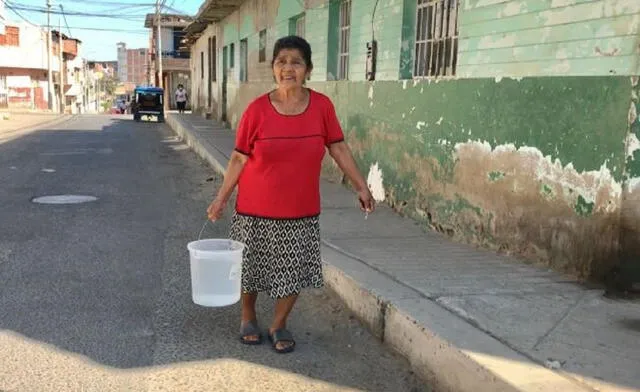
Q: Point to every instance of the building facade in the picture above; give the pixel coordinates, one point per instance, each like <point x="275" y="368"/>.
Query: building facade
<point x="508" y="124"/>
<point x="121" y="48"/>
<point x="24" y="69"/>
<point x="137" y="66"/>
<point x="175" y="54"/>
<point x="133" y="64"/>
<point x="107" y="68"/>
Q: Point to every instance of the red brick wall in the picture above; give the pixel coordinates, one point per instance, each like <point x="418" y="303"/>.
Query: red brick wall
<point x="11" y="37"/>
<point x="70" y="47"/>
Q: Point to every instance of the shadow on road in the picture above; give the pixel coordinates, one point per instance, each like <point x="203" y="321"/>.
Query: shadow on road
<point x="99" y="293"/>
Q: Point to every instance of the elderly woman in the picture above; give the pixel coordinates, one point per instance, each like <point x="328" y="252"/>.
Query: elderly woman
<point x="280" y="144"/>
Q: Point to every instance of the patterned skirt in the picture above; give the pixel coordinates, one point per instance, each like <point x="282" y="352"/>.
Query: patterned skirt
<point x="281" y="257"/>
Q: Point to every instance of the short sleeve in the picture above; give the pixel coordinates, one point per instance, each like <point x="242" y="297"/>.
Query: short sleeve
<point x="246" y="132"/>
<point x="333" y="130"/>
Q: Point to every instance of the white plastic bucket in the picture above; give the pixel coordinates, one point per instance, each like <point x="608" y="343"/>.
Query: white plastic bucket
<point x="216" y="269"/>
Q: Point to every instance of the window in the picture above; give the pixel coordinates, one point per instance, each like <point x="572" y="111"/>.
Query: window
<point x="244" y="53"/>
<point x="436" y="51"/>
<point x="262" y="46"/>
<point x="232" y="55"/>
<point x="344" y="27"/>
<point x="300" y="26"/>
<point x="11" y="36"/>
<point x="202" y="65"/>
<point x="296" y="25"/>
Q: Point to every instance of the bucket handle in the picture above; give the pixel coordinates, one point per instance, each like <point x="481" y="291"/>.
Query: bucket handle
<point x="202" y="230"/>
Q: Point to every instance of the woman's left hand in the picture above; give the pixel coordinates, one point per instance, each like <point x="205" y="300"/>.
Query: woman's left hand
<point x="367" y="203"/>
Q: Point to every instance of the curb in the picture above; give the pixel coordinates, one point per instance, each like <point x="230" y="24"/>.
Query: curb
<point x="442" y="348"/>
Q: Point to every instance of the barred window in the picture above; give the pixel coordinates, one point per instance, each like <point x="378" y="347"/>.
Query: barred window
<point x="436" y="51"/>
<point x="345" y="28"/>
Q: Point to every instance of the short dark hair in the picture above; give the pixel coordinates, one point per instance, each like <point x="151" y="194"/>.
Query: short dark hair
<point x="293" y="42"/>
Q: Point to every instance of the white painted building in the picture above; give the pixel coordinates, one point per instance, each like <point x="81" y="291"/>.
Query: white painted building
<point x="24" y="70"/>
<point x="23" y="67"/>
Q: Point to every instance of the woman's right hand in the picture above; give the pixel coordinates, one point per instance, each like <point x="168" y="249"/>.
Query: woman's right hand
<point x="214" y="212"/>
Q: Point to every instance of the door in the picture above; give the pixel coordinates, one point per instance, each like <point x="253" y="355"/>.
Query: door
<point x="225" y="68"/>
<point x="209" y="79"/>
<point x="4" y="92"/>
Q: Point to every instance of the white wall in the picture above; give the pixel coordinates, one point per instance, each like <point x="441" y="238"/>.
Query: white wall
<point x="167" y="38"/>
<point x="32" y="52"/>
<point x="199" y="87"/>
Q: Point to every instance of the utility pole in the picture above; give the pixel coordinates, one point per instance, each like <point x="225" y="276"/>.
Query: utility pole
<point x="62" y="72"/>
<point x="159" y="48"/>
<point x="49" y="49"/>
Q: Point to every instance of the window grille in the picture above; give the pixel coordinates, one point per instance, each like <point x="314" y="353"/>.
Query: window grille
<point x="436" y="51"/>
<point x="345" y="27"/>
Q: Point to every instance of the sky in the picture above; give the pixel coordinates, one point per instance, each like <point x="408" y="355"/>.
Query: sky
<point x="119" y="21"/>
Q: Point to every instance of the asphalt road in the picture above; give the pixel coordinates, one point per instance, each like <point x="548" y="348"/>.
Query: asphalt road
<point x="96" y="296"/>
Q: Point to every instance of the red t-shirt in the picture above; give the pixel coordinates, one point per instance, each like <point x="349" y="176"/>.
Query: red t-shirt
<point x="281" y="179"/>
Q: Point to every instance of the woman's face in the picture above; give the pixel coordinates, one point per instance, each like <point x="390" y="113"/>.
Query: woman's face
<point x="290" y="69"/>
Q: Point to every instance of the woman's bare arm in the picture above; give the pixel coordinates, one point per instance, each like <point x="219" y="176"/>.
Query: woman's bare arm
<point x="341" y="153"/>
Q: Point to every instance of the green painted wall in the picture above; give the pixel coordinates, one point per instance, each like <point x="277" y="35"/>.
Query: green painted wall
<point x="387" y="24"/>
<point x="498" y="163"/>
<point x="542" y="167"/>
<point x="317" y="32"/>
<point x="549" y="37"/>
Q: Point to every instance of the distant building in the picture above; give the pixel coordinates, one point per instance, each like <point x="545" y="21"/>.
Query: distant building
<point x="137" y="60"/>
<point x="175" y="55"/>
<point x="24" y="70"/>
<point x="132" y="64"/>
<point x="107" y="68"/>
<point x="122" y="61"/>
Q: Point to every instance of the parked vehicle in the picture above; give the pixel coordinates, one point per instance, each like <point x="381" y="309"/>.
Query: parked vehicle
<point x="148" y="101"/>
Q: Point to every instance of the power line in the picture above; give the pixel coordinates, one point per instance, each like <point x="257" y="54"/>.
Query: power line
<point x="76" y="13"/>
<point x="20" y="15"/>
<point x="132" y="31"/>
<point x="119" y="3"/>
<point x="65" y="20"/>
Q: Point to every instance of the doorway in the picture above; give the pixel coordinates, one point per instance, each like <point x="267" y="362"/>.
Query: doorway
<point x="225" y="68"/>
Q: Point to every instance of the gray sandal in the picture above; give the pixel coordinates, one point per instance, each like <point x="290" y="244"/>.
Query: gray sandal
<point x="250" y="328"/>
<point x="282" y="335"/>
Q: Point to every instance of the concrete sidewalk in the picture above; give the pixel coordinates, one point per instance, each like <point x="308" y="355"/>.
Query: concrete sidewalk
<point x="467" y="319"/>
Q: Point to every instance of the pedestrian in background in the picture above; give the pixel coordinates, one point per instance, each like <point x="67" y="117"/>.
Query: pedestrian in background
<point x="281" y="140"/>
<point x="181" y="98"/>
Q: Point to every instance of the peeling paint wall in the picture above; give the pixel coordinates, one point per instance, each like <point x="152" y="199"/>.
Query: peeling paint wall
<point x="513" y="157"/>
<point x="497" y="163"/>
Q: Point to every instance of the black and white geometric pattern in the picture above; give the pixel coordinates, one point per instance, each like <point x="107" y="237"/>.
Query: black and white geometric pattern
<point x="281" y="257"/>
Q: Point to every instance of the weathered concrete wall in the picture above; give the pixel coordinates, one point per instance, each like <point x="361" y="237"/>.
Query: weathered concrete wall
<point x="542" y="167"/>
<point x="503" y="167"/>
<point x="199" y="80"/>
<point x="629" y="271"/>
<point x="499" y="163"/>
